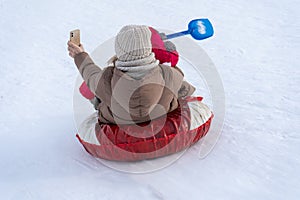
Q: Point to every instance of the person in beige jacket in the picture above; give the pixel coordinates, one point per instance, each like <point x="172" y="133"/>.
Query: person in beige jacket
<point x="136" y="88"/>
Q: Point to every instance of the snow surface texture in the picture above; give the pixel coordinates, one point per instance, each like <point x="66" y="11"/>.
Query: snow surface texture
<point x="255" y="49"/>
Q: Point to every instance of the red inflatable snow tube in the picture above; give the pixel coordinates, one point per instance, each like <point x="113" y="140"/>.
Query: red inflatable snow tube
<point x="160" y="137"/>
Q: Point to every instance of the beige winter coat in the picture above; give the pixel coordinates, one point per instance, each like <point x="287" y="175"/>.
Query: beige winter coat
<point x="125" y="100"/>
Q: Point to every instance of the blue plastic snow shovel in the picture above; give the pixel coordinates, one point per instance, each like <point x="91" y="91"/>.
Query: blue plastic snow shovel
<point x="199" y="29"/>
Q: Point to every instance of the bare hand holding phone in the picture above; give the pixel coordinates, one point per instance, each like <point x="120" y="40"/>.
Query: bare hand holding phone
<point x="74" y="46"/>
<point x="74" y="49"/>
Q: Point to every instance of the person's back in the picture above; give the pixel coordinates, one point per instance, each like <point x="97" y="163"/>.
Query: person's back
<point x="136" y="88"/>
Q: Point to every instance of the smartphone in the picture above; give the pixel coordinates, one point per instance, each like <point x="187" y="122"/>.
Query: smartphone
<point x="75" y="36"/>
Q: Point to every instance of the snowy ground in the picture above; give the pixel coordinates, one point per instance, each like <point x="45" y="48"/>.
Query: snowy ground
<point x="255" y="49"/>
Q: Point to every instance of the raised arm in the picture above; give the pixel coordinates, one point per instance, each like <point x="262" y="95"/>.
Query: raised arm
<point x="89" y="71"/>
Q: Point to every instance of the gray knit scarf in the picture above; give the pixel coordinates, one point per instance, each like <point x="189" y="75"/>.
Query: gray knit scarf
<point x="137" y="68"/>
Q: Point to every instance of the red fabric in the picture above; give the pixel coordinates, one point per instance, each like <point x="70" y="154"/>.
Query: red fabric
<point x="156" y="41"/>
<point x="175" y="136"/>
<point x="159" y="49"/>
<point x="174" y="57"/>
<point x="193" y="98"/>
<point x="85" y="91"/>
